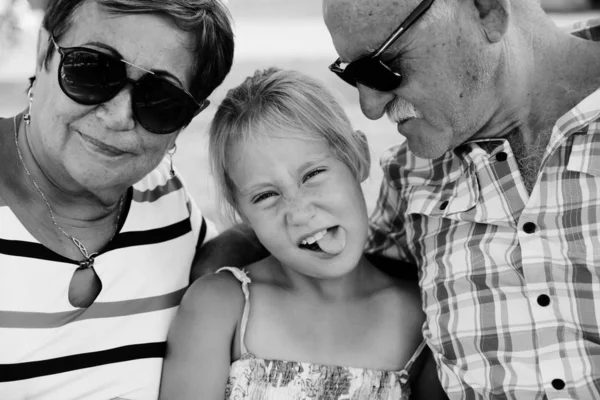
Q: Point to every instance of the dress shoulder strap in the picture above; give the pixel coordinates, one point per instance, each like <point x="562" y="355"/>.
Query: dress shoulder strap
<point x="415" y="355"/>
<point x="242" y="276"/>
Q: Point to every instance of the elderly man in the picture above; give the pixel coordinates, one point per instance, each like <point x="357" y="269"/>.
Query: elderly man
<point x="495" y="195"/>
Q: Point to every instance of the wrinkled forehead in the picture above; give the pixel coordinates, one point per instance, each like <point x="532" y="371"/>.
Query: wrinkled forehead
<point x="359" y="26"/>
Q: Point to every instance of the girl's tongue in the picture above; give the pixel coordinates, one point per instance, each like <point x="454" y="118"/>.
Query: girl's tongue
<point x="334" y="241"/>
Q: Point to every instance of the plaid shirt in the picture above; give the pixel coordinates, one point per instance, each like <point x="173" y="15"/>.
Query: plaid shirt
<point x="510" y="281"/>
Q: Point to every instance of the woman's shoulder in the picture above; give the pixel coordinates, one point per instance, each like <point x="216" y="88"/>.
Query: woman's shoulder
<point x="7" y="152"/>
<point x="160" y="178"/>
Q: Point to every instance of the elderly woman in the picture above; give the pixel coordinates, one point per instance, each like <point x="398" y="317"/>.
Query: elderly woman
<point x="97" y="232"/>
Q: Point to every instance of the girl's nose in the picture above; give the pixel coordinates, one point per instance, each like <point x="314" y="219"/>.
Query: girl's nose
<point x="300" y="213"/>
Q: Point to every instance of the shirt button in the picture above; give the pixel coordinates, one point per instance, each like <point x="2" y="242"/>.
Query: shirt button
<point x="558" y="384"/>
<point x="529" y="227"/>
<point x="444" y="205"/>
<point x="543" y="300"/>
<point x="501" y="156"/>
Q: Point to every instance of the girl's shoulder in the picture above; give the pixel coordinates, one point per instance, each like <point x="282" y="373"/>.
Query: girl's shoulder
<point x="266" y="273"/>
<point x="219" y="285"/>
<point x="219" y="292"/>
<point x="402" y="298"/>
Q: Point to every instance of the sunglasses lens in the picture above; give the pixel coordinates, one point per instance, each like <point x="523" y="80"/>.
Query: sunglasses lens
<point x="372" y="73"/>
<point x="376" y="75"/>
<point x="342" y="73"/>
<point x="90" y="77"/>
<point x="161" y="107"/>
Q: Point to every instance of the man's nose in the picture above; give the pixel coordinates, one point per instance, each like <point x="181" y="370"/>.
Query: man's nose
<point x="373" y="102"/>
<point x="117" y="113"/>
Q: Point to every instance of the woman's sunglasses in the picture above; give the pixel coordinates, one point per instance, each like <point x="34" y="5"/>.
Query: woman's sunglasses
<point x="91" y="77"/>
<point x="369" y="70"/>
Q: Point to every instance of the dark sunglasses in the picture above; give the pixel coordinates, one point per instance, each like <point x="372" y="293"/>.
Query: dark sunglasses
<point x="369" y="70"/>
<point x="91" y="77"/>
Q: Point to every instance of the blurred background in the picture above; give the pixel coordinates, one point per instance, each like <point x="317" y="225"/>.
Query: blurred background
<point x="283" y="33"/>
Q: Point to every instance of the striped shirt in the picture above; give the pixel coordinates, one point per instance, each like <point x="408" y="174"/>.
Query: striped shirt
<point x="52" y="350"/>
<point x="510" y="281"/>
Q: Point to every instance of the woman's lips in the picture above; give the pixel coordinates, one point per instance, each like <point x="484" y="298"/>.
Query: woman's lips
<point x="102" y="147"/>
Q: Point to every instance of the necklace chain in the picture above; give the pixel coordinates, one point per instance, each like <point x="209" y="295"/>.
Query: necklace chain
<point x="89" y="258"/>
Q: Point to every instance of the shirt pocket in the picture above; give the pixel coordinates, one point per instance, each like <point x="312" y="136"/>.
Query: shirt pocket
<point x="585" y="154"/>
<point x="451" y="199"/>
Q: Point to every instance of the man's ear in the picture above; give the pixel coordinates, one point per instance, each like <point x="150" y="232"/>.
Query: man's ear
<point x="493" y="17"/>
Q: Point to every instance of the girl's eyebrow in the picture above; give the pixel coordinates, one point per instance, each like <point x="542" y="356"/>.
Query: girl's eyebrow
<point x="253" y="188"/>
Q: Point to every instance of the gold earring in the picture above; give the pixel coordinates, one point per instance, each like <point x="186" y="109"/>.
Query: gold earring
<point x="171" y="153"/>
<point x="27" y="115"/>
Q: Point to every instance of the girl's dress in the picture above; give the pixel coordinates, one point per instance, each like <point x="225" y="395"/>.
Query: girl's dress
<point x="258" y="379"/>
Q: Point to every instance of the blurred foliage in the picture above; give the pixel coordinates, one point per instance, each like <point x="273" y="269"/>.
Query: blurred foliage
<point x="570" y="5"/>
<point x="9" y="25"/>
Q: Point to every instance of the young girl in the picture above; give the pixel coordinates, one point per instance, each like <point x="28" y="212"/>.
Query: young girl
<point x="315" y="320"/>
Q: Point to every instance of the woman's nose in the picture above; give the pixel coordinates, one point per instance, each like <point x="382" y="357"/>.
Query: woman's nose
<point x="117" y="113"/>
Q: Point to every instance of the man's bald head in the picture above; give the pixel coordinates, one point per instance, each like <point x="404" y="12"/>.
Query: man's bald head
<point x="458" y="62"/>
<point x="356" y="19"/>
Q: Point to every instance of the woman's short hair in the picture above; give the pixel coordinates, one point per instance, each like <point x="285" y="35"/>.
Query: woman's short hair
<point x="273" y="101"/>
<point x="208" y="21"/>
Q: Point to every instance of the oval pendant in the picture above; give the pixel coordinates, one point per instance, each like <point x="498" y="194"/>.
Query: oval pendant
<point x="85" y="287"/>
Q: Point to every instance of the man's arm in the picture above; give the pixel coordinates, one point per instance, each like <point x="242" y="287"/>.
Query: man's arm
<point x="425" y="383"/>
<point x="386" y="246"/>
<point x="236" y="247"/>
<point x="397" y="268"/>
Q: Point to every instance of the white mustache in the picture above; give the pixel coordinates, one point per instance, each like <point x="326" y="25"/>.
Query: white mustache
<point x="400" y="110"/>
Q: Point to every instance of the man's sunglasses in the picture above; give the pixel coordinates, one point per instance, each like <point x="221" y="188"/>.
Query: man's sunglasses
<point x="91" y="77"/>
<point x="369" y="70"/>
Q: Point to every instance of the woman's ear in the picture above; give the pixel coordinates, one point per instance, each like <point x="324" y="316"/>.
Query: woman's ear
<point x="43" y="49"/>
<point x="365" y="161"/>
<point x="203" y="106"/>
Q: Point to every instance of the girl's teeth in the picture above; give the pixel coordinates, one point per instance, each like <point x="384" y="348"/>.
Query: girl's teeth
<point x="317" y="236"/>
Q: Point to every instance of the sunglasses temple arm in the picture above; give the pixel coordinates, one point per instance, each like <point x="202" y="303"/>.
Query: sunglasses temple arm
<point x="390" y="40"/>
<point x="421" y="8"/>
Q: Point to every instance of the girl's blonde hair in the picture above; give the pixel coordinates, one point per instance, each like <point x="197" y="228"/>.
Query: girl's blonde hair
<point x="272" y="101"/>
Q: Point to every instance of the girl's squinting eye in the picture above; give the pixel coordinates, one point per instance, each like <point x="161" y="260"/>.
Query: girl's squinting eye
<point x="263" y="196"/>
<point x="312" y="173"/>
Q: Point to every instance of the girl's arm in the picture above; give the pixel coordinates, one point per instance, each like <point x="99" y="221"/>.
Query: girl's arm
<point x="200" y="340"/>
<point x="426" y="385"/>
